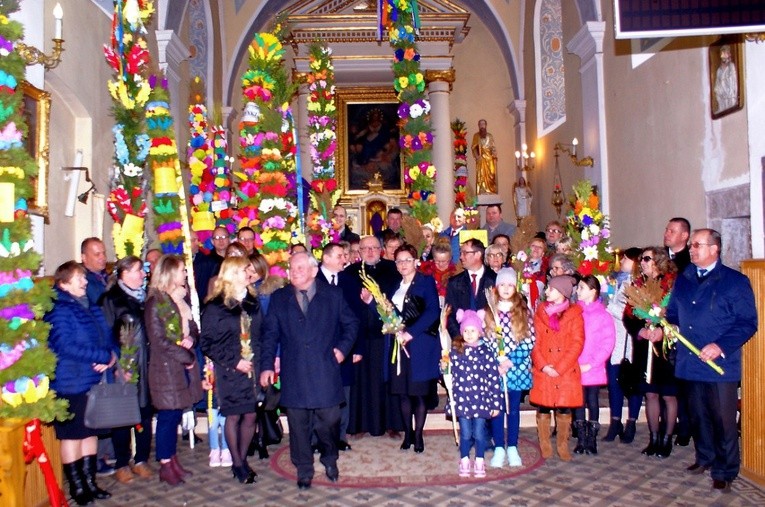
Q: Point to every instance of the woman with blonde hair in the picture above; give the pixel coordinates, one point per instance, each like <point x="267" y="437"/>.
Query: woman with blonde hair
<point x="174" y="379"/>
<point x="231" y="338"/>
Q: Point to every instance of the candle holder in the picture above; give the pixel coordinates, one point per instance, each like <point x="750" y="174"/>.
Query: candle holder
<point x="558" y="197"/>
<point x="33" y="56"/>
<point x="570" y="150"/>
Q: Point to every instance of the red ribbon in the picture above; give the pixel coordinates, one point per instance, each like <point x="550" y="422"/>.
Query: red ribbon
<point x="34" y="448"/>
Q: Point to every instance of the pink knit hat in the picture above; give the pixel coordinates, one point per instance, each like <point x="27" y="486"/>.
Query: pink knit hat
<point x="469" y="318"/>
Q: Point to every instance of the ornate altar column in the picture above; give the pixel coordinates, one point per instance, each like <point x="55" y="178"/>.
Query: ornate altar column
<point x="439" y="88"/>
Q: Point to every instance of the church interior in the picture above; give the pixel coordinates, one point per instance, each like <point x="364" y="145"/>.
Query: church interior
<point x="563" y="97"/>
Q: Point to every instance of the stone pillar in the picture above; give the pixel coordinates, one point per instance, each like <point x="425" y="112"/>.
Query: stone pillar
<point x="301" y="119"/>
<point x="518" y="109"/>
<point x="587" y="44"/>
<point x="439" y="88"/>
<point x="173" y="52"/>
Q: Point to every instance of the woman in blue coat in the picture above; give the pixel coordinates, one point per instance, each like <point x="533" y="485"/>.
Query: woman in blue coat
<point x="414" y="373"/>
<point x="84" y="350"/>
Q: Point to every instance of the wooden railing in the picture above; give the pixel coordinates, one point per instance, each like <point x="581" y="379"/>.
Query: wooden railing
<point x="753" y="383"/>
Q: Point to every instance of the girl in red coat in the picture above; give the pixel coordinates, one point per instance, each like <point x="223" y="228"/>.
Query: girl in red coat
<point x="555" y="371"/>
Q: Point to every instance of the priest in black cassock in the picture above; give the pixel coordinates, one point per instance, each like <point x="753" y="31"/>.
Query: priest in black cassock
<point x="373" y="409"/>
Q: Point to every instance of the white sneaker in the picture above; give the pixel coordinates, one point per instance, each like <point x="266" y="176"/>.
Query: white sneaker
<point x="465" y="467"/>
<point x="513" y="458"/>
<point x="225" y="458"/>
<point x="480" y="469"/>
<point x="215" y="458"/>
<point x="498" y="459"/>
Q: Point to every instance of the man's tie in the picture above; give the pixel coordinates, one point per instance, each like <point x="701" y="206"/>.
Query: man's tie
<point x="332" y="282"/>
<point x="474" y="284"/>
<point x="701" y="273"/>
<point x="304" y="301"/>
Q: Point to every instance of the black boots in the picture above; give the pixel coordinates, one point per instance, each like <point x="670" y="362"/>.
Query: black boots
<point x="77" y="487"/>
<point x="592" y="437"/>
<point x="580" y="429"/>
<point x="89" y="464"/>
<point x="664" y="448"/>
<point x="615" y="429"/>
<point x="628" y="435"/>
<point x="652" y="446"/>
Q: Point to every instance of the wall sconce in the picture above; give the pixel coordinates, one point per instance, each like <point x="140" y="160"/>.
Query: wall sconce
<point x="579" y="162"/>
<point x="74" y="180"/>
<point x="33" y="56"/>
<point x="524" y="160"/>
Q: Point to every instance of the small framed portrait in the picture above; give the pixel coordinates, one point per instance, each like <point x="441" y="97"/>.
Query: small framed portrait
<point x="36" y="112"/>
<point x="368" y="141"/>
<point x="726" y="76"/>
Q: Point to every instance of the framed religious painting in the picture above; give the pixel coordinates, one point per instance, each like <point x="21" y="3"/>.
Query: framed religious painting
<point x="36" y="112"/>
<point x="726" y="76"/>
<point x="369" y="156"/>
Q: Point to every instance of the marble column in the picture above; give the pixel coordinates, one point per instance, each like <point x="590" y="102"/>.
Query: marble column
<point x="301" y="125"/>
<point x="439" y="88"/>
<point x="173" y="52"/>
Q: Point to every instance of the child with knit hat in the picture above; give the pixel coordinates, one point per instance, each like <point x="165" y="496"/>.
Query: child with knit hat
<point x="515" y="332"/>
<point x="476" y="389"/>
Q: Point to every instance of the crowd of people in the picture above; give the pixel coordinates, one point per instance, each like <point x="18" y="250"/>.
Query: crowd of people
<point x="546" y="332"/>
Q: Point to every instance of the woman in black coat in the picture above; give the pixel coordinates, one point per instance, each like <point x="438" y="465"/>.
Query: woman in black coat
<point x="413" y="376"/>
<point x="123" y="308"/>
<point x="233" y="312"/>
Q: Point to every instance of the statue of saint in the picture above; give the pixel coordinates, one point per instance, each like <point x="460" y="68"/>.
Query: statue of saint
<point x="485" y="154"/>
<point x="522" y="198"/>
<point x="726" y="81"/>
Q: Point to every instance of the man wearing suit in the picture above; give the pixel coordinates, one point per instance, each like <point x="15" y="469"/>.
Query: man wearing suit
<point x="332" y="260"/>
<point x="467" y="289"/>
<point x="714" y="307"/>
<point x="339" y="217"/>
<point x="676" y="236"/>
<point x="395" y="221"/>
<point x="312" y="390"/>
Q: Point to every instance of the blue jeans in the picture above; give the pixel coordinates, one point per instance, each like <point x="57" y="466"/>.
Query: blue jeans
<point x="513" y="422"/>
<point x="166" y="437"/>
<point x="217" y="440"/>
<point x="616" y="396"/>
<point x="472" y="431"/>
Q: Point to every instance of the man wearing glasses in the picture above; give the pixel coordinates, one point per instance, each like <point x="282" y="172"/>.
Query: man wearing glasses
<point x="208" y="266"/>
<point x="553" y="234"/>
<point x="372" y="409"/>
<point x="467" y="290"/>
<point x="713" y="305"/>
<point x="246" y="236"/>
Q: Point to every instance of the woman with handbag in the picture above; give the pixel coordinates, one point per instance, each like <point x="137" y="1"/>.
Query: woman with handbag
<point x="231" y="338"/>
<point x="414" y="373"/>
<point x="123" y="307"/>
<point x="84" y="349"/>
<point x="622" y="381"/>
<point x="649" y="356"/>
<point x="174" y="377"/>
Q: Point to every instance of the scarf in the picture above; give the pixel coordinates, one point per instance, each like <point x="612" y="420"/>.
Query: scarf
<point x="138" y="294"/>
<point x="554" y="312"/>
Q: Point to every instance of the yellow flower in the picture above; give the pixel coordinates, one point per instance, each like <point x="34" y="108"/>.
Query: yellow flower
<point x="414" y="172"/>
<point x="403" y="82"/>
<point x="431" y="171"/>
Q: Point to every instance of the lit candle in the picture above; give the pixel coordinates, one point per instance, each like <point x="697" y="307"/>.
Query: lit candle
<point x="533" y="158"/>
<point x="518" y="159"/>
<point x="574" y="142"/>
<point x="58" y="13"/>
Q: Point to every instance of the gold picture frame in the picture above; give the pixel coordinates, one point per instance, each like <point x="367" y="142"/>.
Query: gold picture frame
<point x="36" y="112"/>
<point x="360" y="157"/>
<point x="726" y="78"/>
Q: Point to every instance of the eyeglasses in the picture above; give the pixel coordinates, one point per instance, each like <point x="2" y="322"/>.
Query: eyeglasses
<point x="646" y="258"/>
<point x="404" y="261"/>
<point x="465" y="252"/>
<point x="696" y="244"/>
<point x="551" y="231"/>
<point x="494" y="255"/>
<point x="219" y="237"/>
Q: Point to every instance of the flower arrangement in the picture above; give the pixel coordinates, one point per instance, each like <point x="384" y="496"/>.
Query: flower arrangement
<point x="244" y="339"/>
<point x="414" y="111"/>
<point x="460" y="162"/>
<point x="265" y="185"/>
<point x="26" y="362"/>
<point x="200" y="160"/>
<point x="649" y="302"/>
<point x="322" y="123"/>
<point x="163" y="161"/>
<point x="129" y="352"/>
<point x="589" y="229"/>
<point x="128" y="56"/>
<point x="393" y="323"/>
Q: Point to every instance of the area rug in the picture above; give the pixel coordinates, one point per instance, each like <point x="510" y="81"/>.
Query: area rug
<point x="377" y="462"/>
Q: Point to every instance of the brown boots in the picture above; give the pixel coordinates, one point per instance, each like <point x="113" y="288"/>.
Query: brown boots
<point x="543" y="431"/>
<point x="564" y="433"/>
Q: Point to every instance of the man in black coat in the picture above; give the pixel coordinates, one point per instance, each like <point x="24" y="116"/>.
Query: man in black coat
<point x="467" y="290"/>
<point x="676" y="236"/>
<point x="312" y="389"/>
<point x="339" y="217"/>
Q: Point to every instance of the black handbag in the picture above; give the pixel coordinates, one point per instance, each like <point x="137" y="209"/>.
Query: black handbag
<point x="628" y="377"/>
<point x="411" y="311"/>
<point x="112" y="405"/>
<point x="270" y="427"/>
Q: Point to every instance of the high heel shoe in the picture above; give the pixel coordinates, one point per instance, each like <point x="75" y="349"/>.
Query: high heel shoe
<point x="407" y="443"/>
<point x="243" y="475"/>
<point x="419" y="444"/>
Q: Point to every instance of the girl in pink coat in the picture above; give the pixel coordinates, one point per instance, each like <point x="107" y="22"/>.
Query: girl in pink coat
<point x="599" y="337"/>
